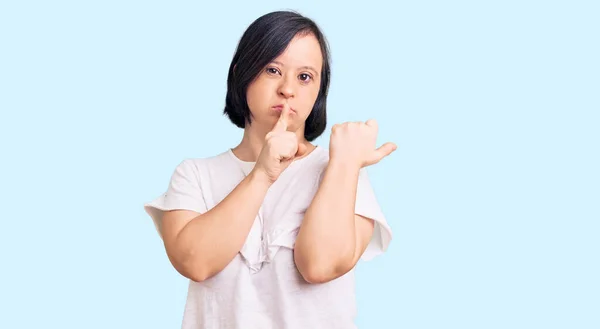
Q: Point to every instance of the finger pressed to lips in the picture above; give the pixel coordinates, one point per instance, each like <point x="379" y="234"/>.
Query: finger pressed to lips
<point x="283" y="122"/>
<point x="284" y="111"/>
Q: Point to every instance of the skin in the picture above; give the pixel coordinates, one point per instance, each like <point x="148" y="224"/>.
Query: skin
<point x="332" y="238"/>
<point x="292" y="79"/>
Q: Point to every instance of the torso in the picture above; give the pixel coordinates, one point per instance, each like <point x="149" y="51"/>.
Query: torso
<point x="261" y="287"/>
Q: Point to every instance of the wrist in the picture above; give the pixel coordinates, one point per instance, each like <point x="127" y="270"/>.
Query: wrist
<point x="259" y="178"/>
<point x="343" y="166"/>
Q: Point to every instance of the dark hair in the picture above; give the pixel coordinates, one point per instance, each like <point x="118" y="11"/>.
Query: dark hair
<point x="265" y="39"/>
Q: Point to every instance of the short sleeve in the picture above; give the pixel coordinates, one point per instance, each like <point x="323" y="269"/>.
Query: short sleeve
<point x="366" y="205"/>
<point x="183" y="193"/>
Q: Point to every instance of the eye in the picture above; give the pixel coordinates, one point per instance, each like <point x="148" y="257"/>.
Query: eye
<point x="272" y="70"/>
<point x="305" y="77"/>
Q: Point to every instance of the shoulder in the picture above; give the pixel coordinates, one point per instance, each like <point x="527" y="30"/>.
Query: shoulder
<point x="197" y="165"/>
<point x="207" y="159"/>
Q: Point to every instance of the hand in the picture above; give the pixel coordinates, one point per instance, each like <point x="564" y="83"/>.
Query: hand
<point x="281" y="147"/>
<point x="354" y="143"/>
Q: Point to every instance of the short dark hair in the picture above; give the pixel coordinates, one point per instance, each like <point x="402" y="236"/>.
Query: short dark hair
<point x="265" y="39"/>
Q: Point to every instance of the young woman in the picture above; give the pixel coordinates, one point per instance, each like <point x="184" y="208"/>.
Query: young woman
<point x="268" y="232"/>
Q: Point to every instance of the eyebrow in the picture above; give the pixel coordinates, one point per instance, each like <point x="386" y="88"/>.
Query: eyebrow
<point x="302" y="67"/>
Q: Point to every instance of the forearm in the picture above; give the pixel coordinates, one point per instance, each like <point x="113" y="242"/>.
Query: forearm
<point x="210" y="241"/>
<point x="326" y="242"/>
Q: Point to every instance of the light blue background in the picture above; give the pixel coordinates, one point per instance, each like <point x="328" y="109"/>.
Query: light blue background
<point x="493" y="193"/>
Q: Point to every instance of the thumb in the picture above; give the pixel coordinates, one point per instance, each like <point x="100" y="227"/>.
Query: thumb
<point x="383" y="151"/>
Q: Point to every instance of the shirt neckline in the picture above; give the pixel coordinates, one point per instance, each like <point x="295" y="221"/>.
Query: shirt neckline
<point x="250" y="164"/>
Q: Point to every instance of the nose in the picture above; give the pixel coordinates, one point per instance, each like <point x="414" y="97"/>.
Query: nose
<point x="286" y="88"/>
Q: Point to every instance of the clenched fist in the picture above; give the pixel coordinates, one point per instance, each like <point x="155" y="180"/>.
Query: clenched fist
<point x="354" y="143"/>
<point x="280" y="148"/>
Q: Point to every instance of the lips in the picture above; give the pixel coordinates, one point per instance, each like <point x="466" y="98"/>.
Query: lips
<point x="280" y="108"/>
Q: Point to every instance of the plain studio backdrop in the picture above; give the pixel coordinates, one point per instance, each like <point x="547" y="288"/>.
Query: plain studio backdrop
<point x="493" y="193"/>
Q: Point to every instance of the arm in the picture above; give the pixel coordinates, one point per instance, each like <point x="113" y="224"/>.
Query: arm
<point x="190" y="238"/>
<point x="201" y="245"/>
<point x="332" y="237"/>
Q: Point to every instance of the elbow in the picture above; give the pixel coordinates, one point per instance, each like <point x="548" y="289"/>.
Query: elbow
<point x="318" y="271"/>
<point x="198" y="276"/>
<point x="201" y="270"/>
<point x="193" y="269"/>
<point x="317" y="274"/>
<point x="192" y="264"/>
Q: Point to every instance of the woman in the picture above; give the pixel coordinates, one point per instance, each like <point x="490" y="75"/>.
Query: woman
<point x="268" y="232"/>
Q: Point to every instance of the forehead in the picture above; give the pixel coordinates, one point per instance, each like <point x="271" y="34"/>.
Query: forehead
<point x="303" y="50"/>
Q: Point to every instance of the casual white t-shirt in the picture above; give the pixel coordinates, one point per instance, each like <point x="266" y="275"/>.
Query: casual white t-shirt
<point x="261" y="288"/>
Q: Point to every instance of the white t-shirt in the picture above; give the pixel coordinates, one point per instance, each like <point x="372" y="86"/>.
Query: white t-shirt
<point x="261" y="288"/>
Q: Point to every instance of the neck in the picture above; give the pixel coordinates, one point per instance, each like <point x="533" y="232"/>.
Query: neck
<point x="253" y="140"/>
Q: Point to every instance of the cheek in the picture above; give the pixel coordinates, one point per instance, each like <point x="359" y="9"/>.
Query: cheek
<point x="254" y="95"/>
<point x="310" y="96"/>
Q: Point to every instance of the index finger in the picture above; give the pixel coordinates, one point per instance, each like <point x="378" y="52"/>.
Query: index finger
<point x="282" y="123"/>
